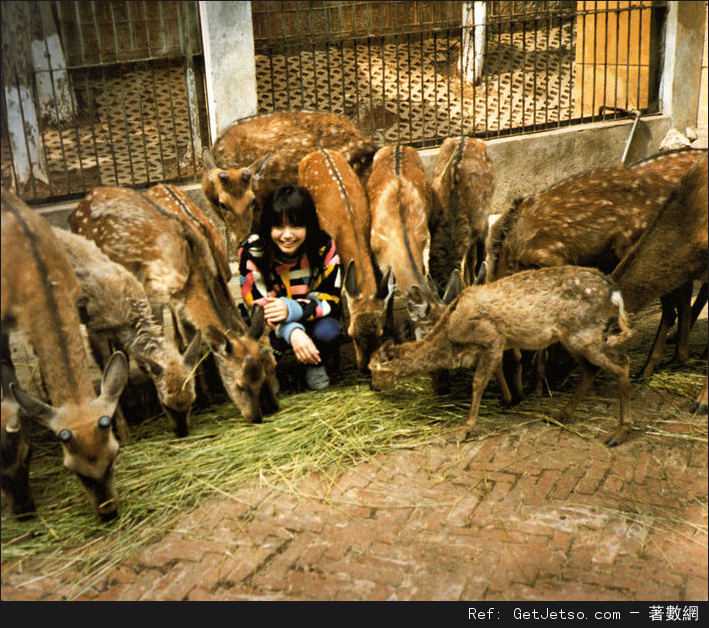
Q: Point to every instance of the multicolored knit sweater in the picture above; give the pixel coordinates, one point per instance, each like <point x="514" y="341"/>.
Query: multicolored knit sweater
<point x="308" y="293"/>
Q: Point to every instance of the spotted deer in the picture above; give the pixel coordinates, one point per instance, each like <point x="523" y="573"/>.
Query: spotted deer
<point x="671" y="254"/>
<point x="343" y="212"/>
<point x="115" y="309"/>
<point x="16" y="451"/>
<point x="217" y="275"/>
<point x="168" y="258"/>
<point x="39" y="295"/>
<point x="567" y="304"/>
<point x="591" y="219"/>
<point x="255" y="155"/>
<point x="400" y="204"/>
<point x="463" y="184"/>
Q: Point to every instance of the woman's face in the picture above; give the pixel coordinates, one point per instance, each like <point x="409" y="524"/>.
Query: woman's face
<point x="288" y="238"/>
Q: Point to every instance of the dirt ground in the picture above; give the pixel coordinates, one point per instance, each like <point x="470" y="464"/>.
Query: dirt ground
<point x="524" y="510"/>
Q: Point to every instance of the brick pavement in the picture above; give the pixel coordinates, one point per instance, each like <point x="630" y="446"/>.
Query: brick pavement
<point x="540" y="514"/>
<point x="537" y="513"/>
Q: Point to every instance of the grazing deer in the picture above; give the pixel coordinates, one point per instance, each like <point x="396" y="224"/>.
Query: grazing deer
<point x="400" y="204"/>
<point x="217" y="275"/>
<point x="16" y="452"/>
<point x="39" y="295"/>
<point x="463" y="184"/>
<point x="671" y="253"/>
<point x="274" y="143"/>
<point x="343" y="213"/>
<point x="567" y="304"/>
<point x="115" y="309"/>
<point x="169" y="259"/>
<point x="591" y="219"/>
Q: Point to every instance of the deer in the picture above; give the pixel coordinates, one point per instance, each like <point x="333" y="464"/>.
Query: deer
<point x="39" y="294"/>
<point x="463" y="183"/>
<point x="15" y="450"/>
<point x="343" y="212"/>
<point x="255" y="155"/>
<point x="116" y="312"/>
<point x="568" y="304"/>
<point x="400" y="204"/>
<point x="168" y="258"/>
<point x="217" y="275"/>
<point x="670" y="255"/>
<point x="591" y="219"/>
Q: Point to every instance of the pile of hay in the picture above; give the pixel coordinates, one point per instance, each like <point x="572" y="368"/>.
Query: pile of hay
<point x="160" y="477"/>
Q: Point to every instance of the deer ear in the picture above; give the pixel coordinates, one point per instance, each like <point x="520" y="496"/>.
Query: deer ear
<point x="387" y="285"/>
<point x="115" y="377"/>
<point x="260" y="165"/>
<point x="453" y="288"/>
<point x="36" y="410"/>
<point x="350" y="281"/>
<point x="208" y="162"/>
<point x="482" y="274"/>
<point x="218" y="343"/>
<point x="257" y="323"/>
<point x="193" y="351"/>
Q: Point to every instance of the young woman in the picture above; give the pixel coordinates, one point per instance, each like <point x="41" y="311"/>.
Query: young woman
<point x="290" y="268"/>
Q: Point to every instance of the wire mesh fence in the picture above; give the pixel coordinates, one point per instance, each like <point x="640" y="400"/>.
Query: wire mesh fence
<point x="112" y="93"/>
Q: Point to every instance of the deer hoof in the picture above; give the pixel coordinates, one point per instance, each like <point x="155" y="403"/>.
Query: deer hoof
<point x="619" y="437"/>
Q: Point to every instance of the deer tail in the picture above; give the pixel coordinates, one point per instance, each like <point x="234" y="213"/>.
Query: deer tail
<point x="616" y="337"/>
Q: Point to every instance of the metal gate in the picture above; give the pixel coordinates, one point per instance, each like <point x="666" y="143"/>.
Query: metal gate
<point x="100" y="93"/>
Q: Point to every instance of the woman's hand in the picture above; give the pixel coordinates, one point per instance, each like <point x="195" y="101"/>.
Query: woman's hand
<point x="275" y="310"/>
<point x="303" y="347"/>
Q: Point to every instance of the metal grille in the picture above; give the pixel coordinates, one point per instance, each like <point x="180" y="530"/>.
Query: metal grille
<point x="395" y="67"/>
<point x="119" y="100"/>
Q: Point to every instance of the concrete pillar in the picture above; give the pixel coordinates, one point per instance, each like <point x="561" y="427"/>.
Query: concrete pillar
<point x="229" y="62"/>
<point x="681" y="76"/>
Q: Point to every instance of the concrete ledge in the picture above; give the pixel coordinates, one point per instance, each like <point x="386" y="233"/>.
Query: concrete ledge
<point x="530" y="163"/>
<point x="524" y="164"/>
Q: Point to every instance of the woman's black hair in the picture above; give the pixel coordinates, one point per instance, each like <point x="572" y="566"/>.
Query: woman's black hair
<point x="294" y="205"/>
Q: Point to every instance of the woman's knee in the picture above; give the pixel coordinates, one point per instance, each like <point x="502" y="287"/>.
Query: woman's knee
<point x="326" y="329"/>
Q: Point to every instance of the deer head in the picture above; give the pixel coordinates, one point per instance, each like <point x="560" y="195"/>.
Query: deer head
<point x="16" y="452"/>
<point x="84" y="432"/>
<point x="367" y="314"/>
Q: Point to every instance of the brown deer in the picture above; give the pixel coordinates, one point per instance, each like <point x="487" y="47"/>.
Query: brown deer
<point x="567" y="304"/>
<point x="16" y="452"/>
<point x="39" y="294"/>
<point x="169" y="259"/>
<point x="343" y="212"/>
<point x="231" y="193"/>
<point x="217" y="275"/>
<point x="115" y="309"/>
<point x="671" y="253"/>
<point x="400" y="204"/>
<point x="463" y="184"/>
<point x="591" y="219"/>
<point x="270" y="147"/>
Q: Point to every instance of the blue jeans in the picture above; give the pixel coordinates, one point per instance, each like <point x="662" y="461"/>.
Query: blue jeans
<point x="322" y="331"/>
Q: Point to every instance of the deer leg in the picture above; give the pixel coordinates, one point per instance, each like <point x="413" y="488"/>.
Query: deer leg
<point x="540" y="371"/>
<point x="591" y="360"/>
<point x="487" y="365"/>
<point x="701" y="404"/>
<point x="684" y="311"/>
<point x="666" y="322"/>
